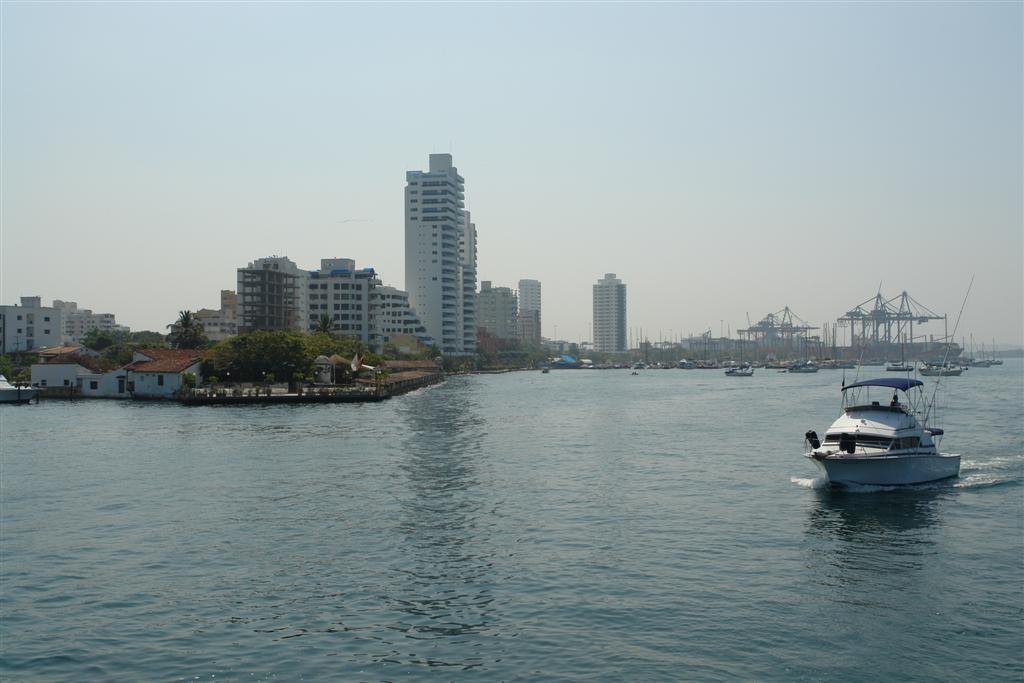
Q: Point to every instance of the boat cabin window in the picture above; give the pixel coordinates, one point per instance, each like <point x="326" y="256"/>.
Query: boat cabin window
<point x="907" y="442"/>
<point x="861" y="441"/>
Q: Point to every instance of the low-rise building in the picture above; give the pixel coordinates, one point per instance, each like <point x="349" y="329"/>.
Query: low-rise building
<point x="159" y="373"/>
<point x="63" y="370"/>
<point x="80" y="374"/>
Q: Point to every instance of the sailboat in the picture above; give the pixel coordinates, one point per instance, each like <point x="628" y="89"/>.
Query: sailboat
<point x="742" y="370"/>
<point x="902" y="365"/>
<point x="993" y="360"/>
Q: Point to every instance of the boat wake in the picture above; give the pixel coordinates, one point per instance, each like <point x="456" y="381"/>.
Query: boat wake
<point x="997" y="471"/>
<point x="812" y="483"/>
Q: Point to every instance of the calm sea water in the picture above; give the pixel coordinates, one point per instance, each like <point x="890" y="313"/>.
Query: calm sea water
<point x="579" y="525"/>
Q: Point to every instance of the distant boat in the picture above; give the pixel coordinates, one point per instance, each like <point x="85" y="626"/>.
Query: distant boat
<point x="899" y="367"/>
<point x="803" y="367"/>
<point x="941" y="370"/>
<point x="10" y="393"/>
<point x="742" y="371"/>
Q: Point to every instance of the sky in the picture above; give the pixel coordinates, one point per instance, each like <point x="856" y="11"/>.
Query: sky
<point x="724" y="160"/>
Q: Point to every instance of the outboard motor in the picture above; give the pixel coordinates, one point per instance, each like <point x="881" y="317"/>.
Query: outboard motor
<point x="812" y="437"/>
<point x="848" y="443"/>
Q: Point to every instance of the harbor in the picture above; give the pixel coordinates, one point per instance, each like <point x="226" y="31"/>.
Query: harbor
<point x="453" y="531"/>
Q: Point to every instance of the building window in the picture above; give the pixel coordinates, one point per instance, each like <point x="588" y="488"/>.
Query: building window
<point x="159" y="380"/>
<point x="46" y="318"/>
<point x="94" y="385"/>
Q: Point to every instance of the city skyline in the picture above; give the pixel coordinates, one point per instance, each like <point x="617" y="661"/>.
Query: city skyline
<point x="723" y="161"/>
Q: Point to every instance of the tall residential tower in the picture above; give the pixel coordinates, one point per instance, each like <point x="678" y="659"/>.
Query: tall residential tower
<point x="440" y="255"/>
<point x="610" y="314"/>
<point x="529" y="312"/>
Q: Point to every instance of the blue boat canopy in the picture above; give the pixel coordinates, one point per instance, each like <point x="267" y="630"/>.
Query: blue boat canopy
<point x="901" y="383"/>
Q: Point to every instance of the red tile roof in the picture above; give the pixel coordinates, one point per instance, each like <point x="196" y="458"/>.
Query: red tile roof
<point x="165" y="360"/>
<point x="54" y="351"/>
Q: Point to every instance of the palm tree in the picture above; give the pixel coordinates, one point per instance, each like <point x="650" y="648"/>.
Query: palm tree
<point x="324" y="324"/>
<point x="186" y="332"/>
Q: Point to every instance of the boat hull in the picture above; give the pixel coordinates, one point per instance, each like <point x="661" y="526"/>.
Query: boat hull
<point x="890" y="470"/>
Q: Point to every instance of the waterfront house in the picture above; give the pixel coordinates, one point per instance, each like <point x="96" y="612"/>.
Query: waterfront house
<point x="63" y="370"/>
<point x="159" y="373"/>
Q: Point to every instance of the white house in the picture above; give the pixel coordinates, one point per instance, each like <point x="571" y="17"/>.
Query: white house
<point x="63" y="370"/>
<point x="157" y="373"/>
<point x="80" y="370"/>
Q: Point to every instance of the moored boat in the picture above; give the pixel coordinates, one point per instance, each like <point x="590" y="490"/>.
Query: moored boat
<point x="744" y="370"/>
<point x="880" y="443"/>
<point x="899" y="367"/>
<point x="10" y="393"/>
<point x="947" y="370"/>
<point x="803" y="367"/>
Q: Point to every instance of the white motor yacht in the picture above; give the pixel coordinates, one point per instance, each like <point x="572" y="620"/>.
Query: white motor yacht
<point x="885" y="442"/>
<point x="10" y="393"/>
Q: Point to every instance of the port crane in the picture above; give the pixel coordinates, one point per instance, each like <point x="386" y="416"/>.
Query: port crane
<point x="887" y="321"/>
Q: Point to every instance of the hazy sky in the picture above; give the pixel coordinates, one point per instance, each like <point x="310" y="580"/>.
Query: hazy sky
<point x="722" y="159"/>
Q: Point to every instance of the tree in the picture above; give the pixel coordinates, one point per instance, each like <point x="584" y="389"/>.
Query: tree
<point x="6" y="367"/>
<point x="325" y="324"/>
<point x="186" y="332"/>
<point x="147" y="338"/>
<point x="98" y="340"/>
<point x="250" y="357"/>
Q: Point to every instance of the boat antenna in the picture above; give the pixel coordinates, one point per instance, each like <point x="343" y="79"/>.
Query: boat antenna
<point x="938" y="378"/>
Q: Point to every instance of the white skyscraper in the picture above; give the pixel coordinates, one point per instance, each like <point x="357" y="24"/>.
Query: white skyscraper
<point x="529" y="312"/>
<point x="440" y="255"/>
<point x="529" y="295"/>
<point x="610" y="314"/>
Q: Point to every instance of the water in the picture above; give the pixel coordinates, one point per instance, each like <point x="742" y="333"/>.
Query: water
<point x="575" y="525"/>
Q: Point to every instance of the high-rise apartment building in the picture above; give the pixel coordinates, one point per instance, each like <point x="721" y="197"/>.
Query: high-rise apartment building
<point x="467" y="259"/>
<point x="498" y="309"/>
<point x="77" y="322"/>
<point x="440" y="255"/>
<point x="272" y="295"/>
<point x="342" y="293"/>
<point x="529" y="312"/>
<point x="391" y="317"/>
<point x="30" y="326"/>
<point x="610" y="314"/>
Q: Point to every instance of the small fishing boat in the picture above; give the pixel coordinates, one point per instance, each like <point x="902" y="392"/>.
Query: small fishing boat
<point x="10" y="393"/>
<point x="946" y="370"/>
<point x="804" y="367"/>
<point x="882" y="443"/>
<point x="899" y="367"/>
<point x="744" y="370"/>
